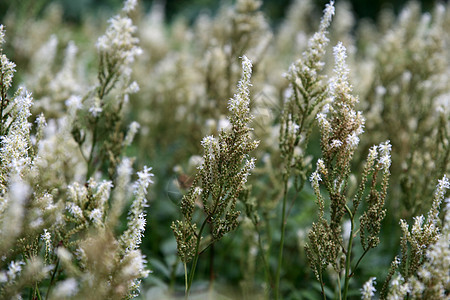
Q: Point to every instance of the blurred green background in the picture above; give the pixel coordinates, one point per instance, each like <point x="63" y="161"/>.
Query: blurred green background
<point x="273" y="9"/>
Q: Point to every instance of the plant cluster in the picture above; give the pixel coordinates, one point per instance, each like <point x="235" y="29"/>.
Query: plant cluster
<point x="235" y="114"/>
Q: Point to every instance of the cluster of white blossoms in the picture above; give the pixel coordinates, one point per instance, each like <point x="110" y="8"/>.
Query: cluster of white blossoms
<point x="119" y="41"/>
<point x="132" y="237"/>
<point x="368" y="290"/>
<point x="15" y="144"/>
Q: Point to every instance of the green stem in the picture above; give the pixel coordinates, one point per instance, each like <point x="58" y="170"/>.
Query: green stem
<point x="339" y="286"/>
<point x="322" y="284"/>
<point x="185" y="280"/>
<point x="280" y="250"/>
<point x="194" y="262"/>
<point x="359" y="260"/>
<point x="37" y="294"/>
<point x="53" y="279"/>
<point x="348" y="255"/>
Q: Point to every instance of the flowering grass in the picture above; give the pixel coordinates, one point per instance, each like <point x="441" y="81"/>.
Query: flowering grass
<point x="307" y="160"/>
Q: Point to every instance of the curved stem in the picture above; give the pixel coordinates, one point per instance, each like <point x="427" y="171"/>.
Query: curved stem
<point x="280" y="250"/>
<point x="359" y="260"/>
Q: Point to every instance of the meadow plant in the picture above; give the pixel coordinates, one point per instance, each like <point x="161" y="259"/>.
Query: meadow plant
<point x="73" y="210"/>
<point x="410" y="65"/>
<point x="219" y="181"/>
<point x="60" y="241"/>
<point x="305" y="97"/>
<point x="421" y="272"/>
<point x="341" y="127"/>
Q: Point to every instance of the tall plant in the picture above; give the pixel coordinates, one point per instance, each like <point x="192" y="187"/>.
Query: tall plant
<point x="340" y="127"/>
<point x="221" y="177"/>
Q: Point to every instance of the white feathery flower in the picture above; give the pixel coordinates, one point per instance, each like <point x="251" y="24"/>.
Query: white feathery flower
<point x="385" y="148"/>
<point x="210" y="144"/>
<point x="129" y="5"/>
<point x="63" y="254"/>
<point x="360" y="129"/>
<point x="132" y="130"/>
<point x="103" y="192"/>
<point x="66" y="288"/>
<point x="198" y="191"/>
<point x="324" y="124"/>
<point x="417" y="227"/>
<point x="250" y="164"/>
<point x="74" y="102"/>
<point x="327" y="16"/>
<point x="245" y="172"/>
<point x="321" y="117"/>
<point x="385" y="161"/>
<point x="443" y="185"/>
<point x="135" y="232"/>
<point x="7" y="68"/>
<point x="41" y="122"/>
<point x="15" y="145"/>
<point x="321" y="166"/>
<point x="223" y="124"/>
<point x="14" y="268"/>
<point x="353" y="140"/>
<point x="398" y="288"/>
<point x="96" y="108"/>
<point x="2" y="34"/>
<point x="47" y="238"/>
<point x="18" y="192"/>
<point x="340" y="56"/>
<point x="326" y="108"/>
<point x="74" y="210"/>
<point x="368" y="290"/>
<point x="136" y="266"/>
<point x="315" y="178"/>
<point x="239" y="104"/>
<point x="385" y="153"/>
<point x="133" y="88"/>
<point x="118" y="40"/>
<point x="373" y="153"/>
<point x="336" y="144"/>
<point x="124" y="170"/>
<point x="145" y="178"/>
<point x="96" y="216"/>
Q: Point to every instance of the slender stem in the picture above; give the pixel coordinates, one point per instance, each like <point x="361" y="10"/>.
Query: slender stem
<point x="348" y="255"/>
<point x="359" y="260"/>
<point x="322" y="284"/>
<point x="53" y="279"/>
<point x="185" y="280"/>
<point x="280" y="250"/>
<point x="37" y="293"/>
<point x="339" y="286"/>
<point x="194" y="262"/>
